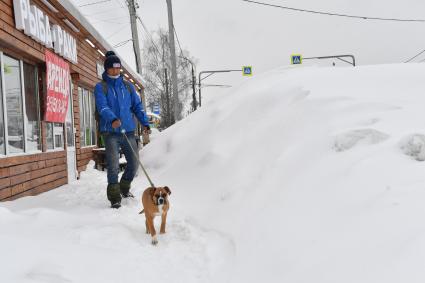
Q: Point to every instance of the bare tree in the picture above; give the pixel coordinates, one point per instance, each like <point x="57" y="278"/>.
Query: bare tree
<point x="157" y="75"/>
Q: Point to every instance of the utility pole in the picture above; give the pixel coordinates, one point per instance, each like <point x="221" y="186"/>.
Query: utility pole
<point x="199" y="89"/>
<point x="193" y="89"/>
<point x="194" y="103"/>
<point x="135" y="35"/>
<point x="176" y="101"/>
<point x="167" y="98"/>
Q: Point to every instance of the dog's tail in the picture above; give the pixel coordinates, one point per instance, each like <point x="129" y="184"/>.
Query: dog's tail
<point x="141" y="212"/>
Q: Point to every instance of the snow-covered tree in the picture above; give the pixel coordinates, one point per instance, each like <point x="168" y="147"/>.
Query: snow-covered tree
<point x="157" y="74"/>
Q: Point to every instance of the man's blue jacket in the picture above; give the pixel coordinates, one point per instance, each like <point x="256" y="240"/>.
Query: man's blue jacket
<point x="118" y="103"/>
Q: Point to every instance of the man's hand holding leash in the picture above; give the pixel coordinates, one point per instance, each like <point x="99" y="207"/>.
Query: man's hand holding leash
<point x="116" y="123"/>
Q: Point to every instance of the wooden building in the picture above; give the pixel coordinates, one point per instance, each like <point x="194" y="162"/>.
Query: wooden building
<point x="49" y="55"/>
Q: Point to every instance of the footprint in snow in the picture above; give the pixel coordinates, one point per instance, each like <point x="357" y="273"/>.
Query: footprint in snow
<point x="350" y="139"/>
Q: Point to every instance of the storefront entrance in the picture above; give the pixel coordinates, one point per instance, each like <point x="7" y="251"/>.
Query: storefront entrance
<point x="70" y="142"/>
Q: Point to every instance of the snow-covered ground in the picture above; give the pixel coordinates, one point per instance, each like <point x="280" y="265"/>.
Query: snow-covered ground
<point x="298" y="175"/>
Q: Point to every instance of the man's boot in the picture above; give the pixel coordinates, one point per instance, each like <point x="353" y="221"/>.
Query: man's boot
<point x="125" y="189"/>
<point x="114" y="196"/>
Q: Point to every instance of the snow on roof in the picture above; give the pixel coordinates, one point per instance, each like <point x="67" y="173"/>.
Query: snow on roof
<point x="75" y="12"/>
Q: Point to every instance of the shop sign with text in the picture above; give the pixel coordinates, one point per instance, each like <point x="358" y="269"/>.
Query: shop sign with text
<point x="58" y="88"/>
<point x="36" y="24"/>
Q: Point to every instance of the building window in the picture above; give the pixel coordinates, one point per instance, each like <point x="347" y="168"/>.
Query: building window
<point x="58" y="134"/>
<point x="93" y="120"/>
<point x="55" y="139"/>
<point x="32" y="108"/>
<point x="49" y="136"/>
<point x="2" y="139"/>
<point x="20" y="125"/>
<point x="54" y="136"/>
<point x="19" y="107"/>
<point x="87" y="119"/>
<point x="15" y="115"/>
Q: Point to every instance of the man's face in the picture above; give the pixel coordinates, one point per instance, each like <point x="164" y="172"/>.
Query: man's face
<point x="113" y="71"/>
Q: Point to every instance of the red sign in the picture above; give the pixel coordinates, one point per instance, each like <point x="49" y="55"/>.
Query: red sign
<point x="58" y="88"/>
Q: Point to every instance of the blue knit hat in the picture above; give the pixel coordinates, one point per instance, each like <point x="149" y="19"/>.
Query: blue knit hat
<point x="111" y="61"/>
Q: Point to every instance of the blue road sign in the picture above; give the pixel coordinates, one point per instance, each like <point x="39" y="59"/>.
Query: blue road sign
<point x="156" y="109"/>
<point x="247" y="70"/>
<point x="296" y="59"/>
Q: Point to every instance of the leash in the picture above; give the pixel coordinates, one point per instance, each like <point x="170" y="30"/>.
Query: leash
<point x="137" y="157"/>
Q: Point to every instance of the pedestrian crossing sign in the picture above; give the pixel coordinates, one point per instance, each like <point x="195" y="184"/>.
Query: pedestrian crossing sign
<point x="296" y="59"/>
<point x="247" y="71"/>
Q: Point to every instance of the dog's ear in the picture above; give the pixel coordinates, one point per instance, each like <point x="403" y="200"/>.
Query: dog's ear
<point x="167" y="189"/>
<point x="151" y="191"/>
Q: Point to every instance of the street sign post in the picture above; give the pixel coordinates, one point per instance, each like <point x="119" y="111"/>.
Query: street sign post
<point x="247" y="71"/>
<point x="296" y="59"/>
<point x="156" y="109"/>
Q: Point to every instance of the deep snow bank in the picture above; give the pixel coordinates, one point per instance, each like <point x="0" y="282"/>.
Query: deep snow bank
<point x="298" y="175"/>
<point x="306" y="171"/>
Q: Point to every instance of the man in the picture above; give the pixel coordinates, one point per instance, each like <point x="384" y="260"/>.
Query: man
<point x="117" y="103"/>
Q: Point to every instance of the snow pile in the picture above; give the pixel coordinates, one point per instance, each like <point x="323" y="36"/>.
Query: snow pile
<point x="414" y="145"/>
<point x="298" y="175"/>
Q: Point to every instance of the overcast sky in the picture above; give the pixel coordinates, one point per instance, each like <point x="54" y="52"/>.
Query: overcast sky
<point x="225" y="34"/>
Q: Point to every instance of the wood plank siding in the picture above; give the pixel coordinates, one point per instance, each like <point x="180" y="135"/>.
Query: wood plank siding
<point x="31" y="174"/>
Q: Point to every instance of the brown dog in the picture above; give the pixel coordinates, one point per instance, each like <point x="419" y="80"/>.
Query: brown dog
<point x="155" y="203"/>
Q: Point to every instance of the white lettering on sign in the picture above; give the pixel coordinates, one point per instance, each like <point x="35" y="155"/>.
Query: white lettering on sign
<point x="20" y="14"/>
<point x="100" y="69"/>
<point x="58" y="88"/>
<point x="36" y="24"/>
<point x="58" y="79"/>
<point x="56" y="105"/>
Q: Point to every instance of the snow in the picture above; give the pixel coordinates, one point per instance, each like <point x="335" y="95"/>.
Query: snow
<point x="298" y="175"/>
<point x="122" y="160"/>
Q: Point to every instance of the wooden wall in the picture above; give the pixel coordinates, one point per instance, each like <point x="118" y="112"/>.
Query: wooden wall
<point x="32" y="174"/>
<point x="36" y="173"/>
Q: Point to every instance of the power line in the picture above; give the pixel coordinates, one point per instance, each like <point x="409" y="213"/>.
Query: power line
<point x="109" y="11"/>
<point x="111" y="21"/>
<point x="115" y="18"/>
<point x="122" y="43"/>
<point x="415" y="56"/>
<point x="215" y="85"/>
<point x="94" y="3"/>
<point x="181" y="50"/>
<point x="121" y="5"/>
<point x="334" y="14"/>
<point x="101" y="13"/>
<point x="116" y="31"/>
<point x="156" y="50"/>
<point x="178" y="41"/>
<point x="149" y="36"/>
